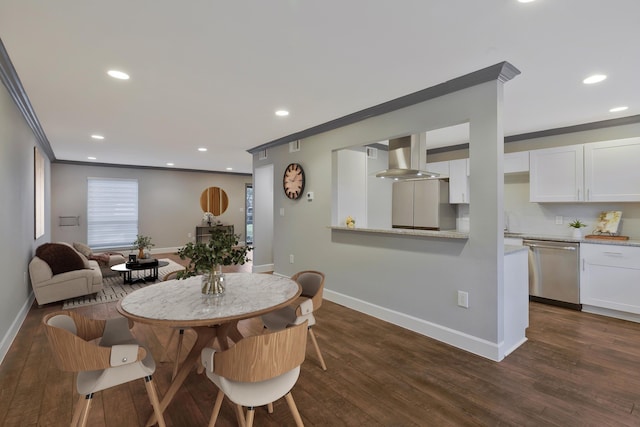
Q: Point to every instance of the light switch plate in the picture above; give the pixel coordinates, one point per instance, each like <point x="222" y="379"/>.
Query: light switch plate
<point x="559" y="220"/>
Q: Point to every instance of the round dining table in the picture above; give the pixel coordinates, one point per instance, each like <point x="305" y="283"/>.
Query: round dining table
<point x="180" y="304"/>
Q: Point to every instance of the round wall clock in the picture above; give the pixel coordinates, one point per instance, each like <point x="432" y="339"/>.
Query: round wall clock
<point x="293" y="181"/>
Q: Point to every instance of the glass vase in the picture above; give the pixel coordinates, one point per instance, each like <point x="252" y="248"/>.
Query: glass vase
<point x="213" y="282"/>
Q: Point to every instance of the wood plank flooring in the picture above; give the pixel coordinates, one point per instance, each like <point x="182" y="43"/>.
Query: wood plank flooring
<point x="577" y="369"/>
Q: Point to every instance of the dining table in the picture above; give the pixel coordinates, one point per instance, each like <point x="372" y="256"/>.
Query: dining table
<point x="181" y="304"/>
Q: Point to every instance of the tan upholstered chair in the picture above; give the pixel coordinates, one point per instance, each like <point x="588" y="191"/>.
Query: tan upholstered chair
<point x="116" y="359"/>
<point x="312" y="283"/>
<point x="257" y="371"/>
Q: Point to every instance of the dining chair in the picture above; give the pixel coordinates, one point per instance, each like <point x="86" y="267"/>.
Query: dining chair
<point x="312" y="283"/>
<point x="116" y="359"/>
<point x="256" y="371"/>
<point x="173" y="276"/>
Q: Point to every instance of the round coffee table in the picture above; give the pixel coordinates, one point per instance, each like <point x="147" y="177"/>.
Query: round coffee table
<point x="144" y="267"/>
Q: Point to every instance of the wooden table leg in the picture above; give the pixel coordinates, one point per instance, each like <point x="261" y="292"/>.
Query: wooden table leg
<point x="205" y="335"/>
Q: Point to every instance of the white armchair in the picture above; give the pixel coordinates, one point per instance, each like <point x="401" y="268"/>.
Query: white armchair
<point x="49" y="287"/>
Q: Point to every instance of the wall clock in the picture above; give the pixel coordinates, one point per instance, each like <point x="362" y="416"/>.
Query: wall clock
<point x="293" y="181"/>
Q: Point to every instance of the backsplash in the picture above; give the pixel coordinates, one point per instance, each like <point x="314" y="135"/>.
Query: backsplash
<point x="539" y="218"/>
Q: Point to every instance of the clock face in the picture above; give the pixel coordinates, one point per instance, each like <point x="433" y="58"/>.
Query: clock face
<point x="293" y="181"/>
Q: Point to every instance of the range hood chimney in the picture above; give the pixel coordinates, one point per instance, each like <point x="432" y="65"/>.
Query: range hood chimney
<point x="407" y="158"/>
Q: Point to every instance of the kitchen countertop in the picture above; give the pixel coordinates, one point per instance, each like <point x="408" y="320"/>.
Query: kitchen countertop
<point x="536" y="236"/>
<point x="444" y="234"/>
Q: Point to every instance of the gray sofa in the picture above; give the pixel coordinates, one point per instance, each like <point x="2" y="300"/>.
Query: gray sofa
<point x="50" y="287"/>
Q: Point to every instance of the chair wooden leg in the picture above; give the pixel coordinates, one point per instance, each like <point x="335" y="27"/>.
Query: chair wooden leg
<point x="176" y="362"/>
<point x="315" y="344"/>
<point x="85" y="411"/>
<point x="250" y="414"/>
<point x="240" y="416"/>
<point x="78" y="411"/>
<point x="270" y="407"/>
<point x="294" y="409"/>
<point x="153" y="397"/>
<point x="216" y="408"/>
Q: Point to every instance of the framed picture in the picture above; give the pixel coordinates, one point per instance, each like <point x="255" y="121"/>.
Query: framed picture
<point x="608" y="223"/>
<point x="38" y="192"/>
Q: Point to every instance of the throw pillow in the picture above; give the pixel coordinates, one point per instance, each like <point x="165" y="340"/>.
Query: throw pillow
<point x="83" y="249"/>
<point x="61" y="258"/>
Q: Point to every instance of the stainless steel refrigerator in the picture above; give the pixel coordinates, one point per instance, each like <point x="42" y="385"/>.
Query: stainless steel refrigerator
<point x="422" y="204"/>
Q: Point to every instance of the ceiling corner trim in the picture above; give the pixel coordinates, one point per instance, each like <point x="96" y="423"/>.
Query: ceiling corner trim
<point x="12" y="82"/>
<point x="502" y="71"/>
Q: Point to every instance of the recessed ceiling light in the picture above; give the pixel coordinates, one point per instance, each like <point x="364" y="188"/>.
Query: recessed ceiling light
<point x="282" y="113"/>
<point x="202" y="149"/>
<point x="616" y="109"/>
<point x="118" y="74"/>
<point x="95" y="136"/>
<point x="229" y="169"/>
<point x="170" y="164"/>
<point x="596" y="78"/>
<point x="91" y="158"/>
<point x="525" y="1"/>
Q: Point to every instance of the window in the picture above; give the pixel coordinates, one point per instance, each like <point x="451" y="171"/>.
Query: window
<point x="112" y="212"/>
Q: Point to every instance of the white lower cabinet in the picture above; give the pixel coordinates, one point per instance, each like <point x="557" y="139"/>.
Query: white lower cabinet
<point x="610" y="277"/>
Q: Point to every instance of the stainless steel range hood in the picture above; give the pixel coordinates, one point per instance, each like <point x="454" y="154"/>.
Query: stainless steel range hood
<point x="407" y="158"/>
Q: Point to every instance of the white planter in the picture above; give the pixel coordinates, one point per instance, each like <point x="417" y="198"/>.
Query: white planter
<point x="577" y="233"/>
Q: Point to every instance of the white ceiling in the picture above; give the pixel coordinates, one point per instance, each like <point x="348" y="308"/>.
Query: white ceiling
<point x="208" y="73"/>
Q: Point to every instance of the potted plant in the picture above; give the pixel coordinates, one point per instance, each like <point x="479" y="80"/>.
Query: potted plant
<point x="208" y="258"/>
<point x="141" y="243"/>
<point x="577" y="225"/>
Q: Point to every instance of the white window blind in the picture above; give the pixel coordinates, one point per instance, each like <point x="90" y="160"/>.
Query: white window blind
<point x="112" y="212"/>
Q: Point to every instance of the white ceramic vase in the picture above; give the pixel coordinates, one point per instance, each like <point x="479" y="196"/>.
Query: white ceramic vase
<point x="577" y="233"/>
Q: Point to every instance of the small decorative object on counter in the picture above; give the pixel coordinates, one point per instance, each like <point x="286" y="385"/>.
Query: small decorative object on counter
<point x="351" y="223"/>
<point x="208" y="218"/>
<point x="577" y="226"/>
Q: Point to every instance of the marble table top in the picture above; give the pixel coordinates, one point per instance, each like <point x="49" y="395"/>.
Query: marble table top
<point x="181" y="303"/>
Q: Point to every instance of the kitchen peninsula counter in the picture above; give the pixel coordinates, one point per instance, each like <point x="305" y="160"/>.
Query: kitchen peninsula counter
<point x="443" y="234"/>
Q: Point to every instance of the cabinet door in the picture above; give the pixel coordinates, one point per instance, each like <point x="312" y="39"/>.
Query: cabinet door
<point x="516" y="162"/>
<point x="611" y="170"/>
<point x="556" y="174"/>
<point x="459" y="181"/>
<point x="610" y="277"/>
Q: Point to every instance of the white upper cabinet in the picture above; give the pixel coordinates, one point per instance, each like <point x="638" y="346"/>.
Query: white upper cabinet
<point x="516" y="162"/>
<point x="604" y="171"/>
<point x="556" y="174"/>
<point x="441" y="168"/>
<point x="459" y="181"/>
<point x="611" y="171"/>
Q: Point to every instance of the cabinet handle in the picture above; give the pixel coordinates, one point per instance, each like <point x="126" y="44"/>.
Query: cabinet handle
<point x="613" y="253"/>
<point x="588" y="194"/>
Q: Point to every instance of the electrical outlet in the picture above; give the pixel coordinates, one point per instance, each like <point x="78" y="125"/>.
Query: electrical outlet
<point x="559" y="220"/>
<point x="463" y="299"/>
<point x="281" y="211"/>
<point x="291" y="259"/>
<point x="189" y="235"/>
<point x="24" y="277"/>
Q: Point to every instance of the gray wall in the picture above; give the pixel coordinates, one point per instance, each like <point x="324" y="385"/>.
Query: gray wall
<point x="168" y="206"/>
<point x="417" y="277"/>
<point x="17" y="217"/>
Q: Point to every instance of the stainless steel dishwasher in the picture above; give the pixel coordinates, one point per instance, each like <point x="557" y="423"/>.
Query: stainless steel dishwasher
<point x="554" y="272"/>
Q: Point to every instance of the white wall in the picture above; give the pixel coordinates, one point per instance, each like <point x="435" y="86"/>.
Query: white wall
<point x="415" y="279"/>
<point x="168" y="201"/>
<point x="263" y="218"/>
<point x="17" y="242"/>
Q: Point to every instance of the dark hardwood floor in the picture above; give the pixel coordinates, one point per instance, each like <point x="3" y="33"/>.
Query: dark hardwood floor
<point x="576" y="369"/>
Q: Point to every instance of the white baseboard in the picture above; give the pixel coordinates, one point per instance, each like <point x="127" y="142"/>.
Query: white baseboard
<point x="632" y="317"/>
<point x="11" y="334"/>
<point x="450" y="336"/>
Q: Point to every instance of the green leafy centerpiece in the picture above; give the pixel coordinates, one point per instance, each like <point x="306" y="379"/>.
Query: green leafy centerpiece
<point x="207" y="259"/>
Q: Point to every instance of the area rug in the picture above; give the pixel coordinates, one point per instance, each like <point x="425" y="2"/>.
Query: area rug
<point x="114" y="289"/>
